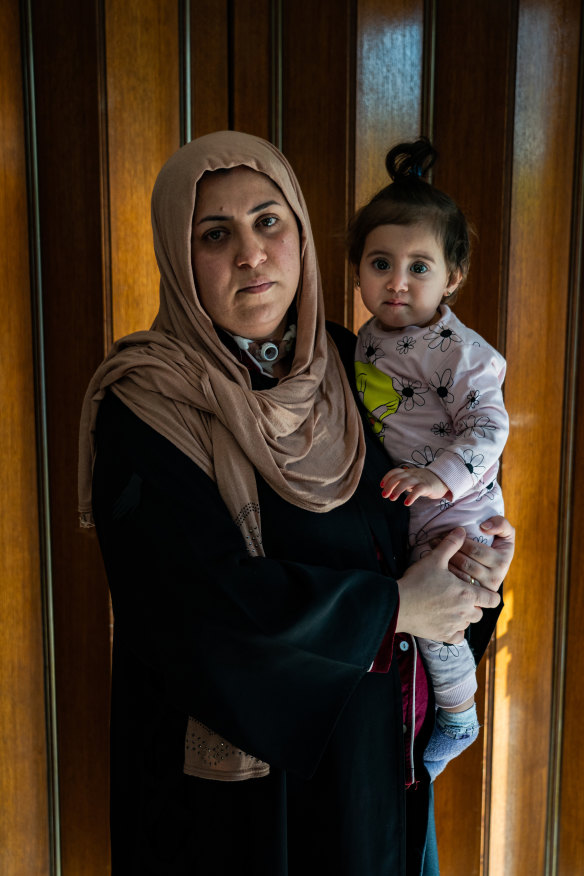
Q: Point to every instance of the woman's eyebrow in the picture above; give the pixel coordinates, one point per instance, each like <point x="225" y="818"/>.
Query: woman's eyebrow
<point x="224" y="218"/>
<point x="263" y="206"/>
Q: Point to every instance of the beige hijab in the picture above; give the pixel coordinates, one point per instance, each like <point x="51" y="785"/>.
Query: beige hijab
<point x="303" y="436"/>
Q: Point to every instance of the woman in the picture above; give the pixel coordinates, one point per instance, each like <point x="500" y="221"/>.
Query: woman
<point x="257" y="722"/>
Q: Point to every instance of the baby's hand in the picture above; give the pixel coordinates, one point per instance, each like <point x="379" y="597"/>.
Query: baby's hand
<point x="415" y="481"/>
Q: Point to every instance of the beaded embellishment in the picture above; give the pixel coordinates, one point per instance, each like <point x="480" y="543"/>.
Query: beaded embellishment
<point x="248" y="522"/>
<point x="209" y="756"/>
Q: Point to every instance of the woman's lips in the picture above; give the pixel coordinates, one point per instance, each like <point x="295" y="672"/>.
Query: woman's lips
<point x="256" y="287"/>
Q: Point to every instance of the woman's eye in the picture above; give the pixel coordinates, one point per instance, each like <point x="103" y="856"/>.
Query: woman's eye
<point x="381" y="264"/>
<point x="268" y="221"/>
<point x="215" y="234"/>
<point x="419" y="268"/>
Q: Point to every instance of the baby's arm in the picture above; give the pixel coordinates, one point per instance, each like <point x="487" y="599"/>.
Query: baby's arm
<point x="415" y="481"/>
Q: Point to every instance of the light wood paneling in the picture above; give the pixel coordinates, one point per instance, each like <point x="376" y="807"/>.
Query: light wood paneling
<point x="389" y="93"/>
<point x="143" y="123"/>
<point x="539" y="256"/>
<point x="24" y="838"/>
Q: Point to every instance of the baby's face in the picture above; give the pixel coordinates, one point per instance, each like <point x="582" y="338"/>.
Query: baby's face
<point x="403" y="275"/>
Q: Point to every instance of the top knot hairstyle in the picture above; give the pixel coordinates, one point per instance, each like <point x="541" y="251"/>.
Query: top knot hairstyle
<point x="407" y="160"/>
<point x="410" y="200"/>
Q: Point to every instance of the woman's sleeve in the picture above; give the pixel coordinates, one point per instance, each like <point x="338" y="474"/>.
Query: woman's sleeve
<point x="264" y="652"/>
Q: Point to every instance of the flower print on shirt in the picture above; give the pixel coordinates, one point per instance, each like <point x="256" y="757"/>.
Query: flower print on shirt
<point x="418" y="538"/>
<point x="474" y="463"/>
<point x="411" y="392"/>
<point x="444" y="504"/>
<point x="489" y="491"/>
<point x="479" y="426"/>
<point x="443" y="430"/>
<point x="472" y="399"/>
<point x="405" y="344"/>
<point x="422" y="458"/>
<point x="444" y="650"/>
<point x="441" y="337"/>
<point x="441" y="385"/>
<point x="372" y="349"/>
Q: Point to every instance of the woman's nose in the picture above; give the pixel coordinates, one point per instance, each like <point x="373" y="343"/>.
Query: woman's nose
<point x="250" y="251"/>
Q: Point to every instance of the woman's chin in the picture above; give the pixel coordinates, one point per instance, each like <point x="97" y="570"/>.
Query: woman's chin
<point x="262" y="323"/>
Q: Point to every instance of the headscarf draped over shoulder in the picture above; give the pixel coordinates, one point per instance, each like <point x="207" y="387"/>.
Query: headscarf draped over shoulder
<point x="303" y="436"/>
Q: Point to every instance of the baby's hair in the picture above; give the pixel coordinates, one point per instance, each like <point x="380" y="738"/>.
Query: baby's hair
<point x="409" y="200"/>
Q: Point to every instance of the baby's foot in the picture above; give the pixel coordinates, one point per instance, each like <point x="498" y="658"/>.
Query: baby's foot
<point x="453" y="732"/>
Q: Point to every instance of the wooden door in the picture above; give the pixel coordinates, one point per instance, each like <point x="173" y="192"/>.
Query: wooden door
<point x="110" y="89"/>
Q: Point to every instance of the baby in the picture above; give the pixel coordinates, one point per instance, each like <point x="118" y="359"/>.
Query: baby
<point x="432" y="390"/>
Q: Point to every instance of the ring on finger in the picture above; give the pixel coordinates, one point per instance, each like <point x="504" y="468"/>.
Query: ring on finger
<point x="474" y="581"/>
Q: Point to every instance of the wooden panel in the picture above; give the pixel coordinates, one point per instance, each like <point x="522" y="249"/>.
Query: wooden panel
<point x="389" y="93"/>
<point x="571" y="805"/>
<point x="570" y="802"/>
<point x="66" y="65"/>
<point x="539" y="256"/>
<point x="143" y="131"/>
<point x="24" y="840"/>
<point x="317" y="112"/>
<point x="471" y="133"/>
<point x="252" y="79"/>
<point x="209" y="66"/>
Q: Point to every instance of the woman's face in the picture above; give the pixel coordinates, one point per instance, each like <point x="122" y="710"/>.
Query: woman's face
<point x="246" y="252"/>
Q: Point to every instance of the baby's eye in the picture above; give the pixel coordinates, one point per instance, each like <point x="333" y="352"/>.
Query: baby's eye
<point x="419" y="268"/>
<point x="381" y="264"/>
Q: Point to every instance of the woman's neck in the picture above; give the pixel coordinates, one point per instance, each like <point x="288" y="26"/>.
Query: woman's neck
<point x="272" y="356"/>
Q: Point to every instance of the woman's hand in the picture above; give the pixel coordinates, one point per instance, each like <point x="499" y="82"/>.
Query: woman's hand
<point x="487" y="566"/>
<point x="435" y="603"/>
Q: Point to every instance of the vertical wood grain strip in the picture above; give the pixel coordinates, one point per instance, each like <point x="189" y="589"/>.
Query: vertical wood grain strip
<point x="209" y="66"/>
<point x="389" y="77"/>
<point x="276" y="45"/>
<point x="566" y="815"/>
<point x="536" y="331"/>
<point x="69" y="170"/>
<point x="251" y="66"/>
<point x="142" y="46"/>
<point x="185" y="64"/>
<point x="428" y="69"/>
<point x="24" y="827"/>
<point x="43" y="500"/>
<point x="472" y="133"/>
<point x="317" y="105"/>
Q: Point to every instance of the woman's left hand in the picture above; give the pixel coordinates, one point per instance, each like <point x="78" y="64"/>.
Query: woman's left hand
<point x="487" y="566"/>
